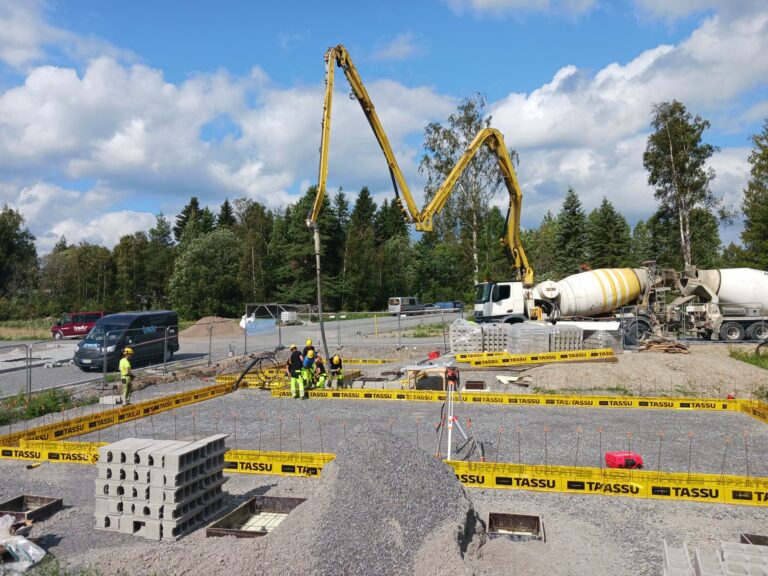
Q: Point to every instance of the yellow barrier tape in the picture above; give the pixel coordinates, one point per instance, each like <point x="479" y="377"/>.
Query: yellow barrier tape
<point x="279" y="463"/>
<point x="710" y="488"/>
<point x="467" y="356"/>
<point x="544" y="357"/>
<point x="500" y="398"/>
<point x="41" y="450"/>
<point x="100" y="420"/>
<point x="364" y="361"/>
<point x="756" y="409"/>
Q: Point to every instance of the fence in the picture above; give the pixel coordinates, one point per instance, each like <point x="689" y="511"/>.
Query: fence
<point x="47" y="364"/>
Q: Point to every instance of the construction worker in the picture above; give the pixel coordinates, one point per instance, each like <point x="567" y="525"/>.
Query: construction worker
<point x="307" y="348"/>
<point x="320" y="372"/>
<point x="307" y="373"/>
<point x="293" y="369"/>
<point x="126" y="375"/>
<point x="337" y="372"/>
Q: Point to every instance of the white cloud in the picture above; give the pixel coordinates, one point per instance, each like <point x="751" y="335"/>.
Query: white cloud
<point x="512" y="7"/>
<point x="679" y="8"/>
<point x="104" y="230"/>
<point x="589" y="130"/>
<point x="401" y="47"/>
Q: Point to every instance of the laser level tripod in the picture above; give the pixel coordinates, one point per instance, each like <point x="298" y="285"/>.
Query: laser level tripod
<point x="448" y="419"/>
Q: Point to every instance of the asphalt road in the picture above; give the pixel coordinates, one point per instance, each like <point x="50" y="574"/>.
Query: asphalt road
<point x="381" y="332"/>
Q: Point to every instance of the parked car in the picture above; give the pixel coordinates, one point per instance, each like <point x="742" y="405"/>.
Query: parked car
<point x="75" y="324"/>
<point x="404" y="305"/>
<point x="153" y="336"/>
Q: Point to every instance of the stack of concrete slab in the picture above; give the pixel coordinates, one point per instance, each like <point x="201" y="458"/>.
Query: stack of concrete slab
<point x="159" y="489"/>
<point x="731" y="560"/>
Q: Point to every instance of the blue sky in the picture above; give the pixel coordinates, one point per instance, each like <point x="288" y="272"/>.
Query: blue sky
<point x="112" y="111"/>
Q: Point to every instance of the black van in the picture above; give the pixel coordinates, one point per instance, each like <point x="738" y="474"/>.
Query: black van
<point x="153" y="335"/>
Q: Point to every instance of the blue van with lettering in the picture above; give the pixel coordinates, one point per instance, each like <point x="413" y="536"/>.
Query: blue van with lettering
<point x="153" y="336"/>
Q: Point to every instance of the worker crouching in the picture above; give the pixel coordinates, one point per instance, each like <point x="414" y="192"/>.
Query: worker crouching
<point x="320" y="374"/>
<point x="337" y="372"/>
<point x="307" y="373"/>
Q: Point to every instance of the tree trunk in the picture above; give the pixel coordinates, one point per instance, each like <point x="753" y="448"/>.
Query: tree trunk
<point x="682" y="209"/>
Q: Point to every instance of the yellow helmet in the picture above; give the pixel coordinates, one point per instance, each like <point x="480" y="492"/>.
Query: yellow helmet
<point x="309" y="341"/>
<point x="127" y="350"/>
<point x="310" y="354"/>
<point x="336" y="359"/>
<point x="293" y="346"/>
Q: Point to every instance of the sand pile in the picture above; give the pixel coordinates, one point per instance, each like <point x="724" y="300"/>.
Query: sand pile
<point x="382" y="507"/>
<point x="222" y="327"/>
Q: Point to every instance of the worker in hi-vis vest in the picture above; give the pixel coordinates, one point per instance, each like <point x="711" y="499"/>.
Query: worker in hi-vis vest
<point x="126" y="375"/>
<point x="293" y="368"/>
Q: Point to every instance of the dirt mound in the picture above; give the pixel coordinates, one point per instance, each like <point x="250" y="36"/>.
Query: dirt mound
<point x="222" y="327"/>
<point x="383" y="507"/>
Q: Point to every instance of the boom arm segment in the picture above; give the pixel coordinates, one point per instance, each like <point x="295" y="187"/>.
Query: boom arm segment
<point x="338" y="56"/>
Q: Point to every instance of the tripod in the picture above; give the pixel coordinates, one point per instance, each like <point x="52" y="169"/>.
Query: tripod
<point x="449" y="420"/>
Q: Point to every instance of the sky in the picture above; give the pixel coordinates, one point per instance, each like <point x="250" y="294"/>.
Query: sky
<point x="113" y="112"/>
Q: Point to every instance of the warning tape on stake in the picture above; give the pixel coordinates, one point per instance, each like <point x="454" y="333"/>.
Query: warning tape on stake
<point x="279" y="463"/>
<point x="544" y="357"/>
<point x="711" y="488"/>
<point x="500" y="398"/>
<point x="100" y="420"/>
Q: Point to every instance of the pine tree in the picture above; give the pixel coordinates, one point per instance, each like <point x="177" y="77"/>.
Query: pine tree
<point x="360" y="291"/>
<point x="226" y="216"/>
<point x="540" y="246"/>
<point x="570" y="236"/>
<point x="130" y="256"/>
<point x="198" y="220"/>
<point x="254" y="229"/>
<point x="755" y="204"/>
<point x="160" y="256"/>
<point x="641" y="245"/>
<point x="608" y="239"/>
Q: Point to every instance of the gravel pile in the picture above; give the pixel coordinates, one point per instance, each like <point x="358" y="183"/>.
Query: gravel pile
<point x="383" y="507"/>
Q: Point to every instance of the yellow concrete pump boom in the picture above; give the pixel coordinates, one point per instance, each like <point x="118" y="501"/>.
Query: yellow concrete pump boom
<point x="492" y="138"/>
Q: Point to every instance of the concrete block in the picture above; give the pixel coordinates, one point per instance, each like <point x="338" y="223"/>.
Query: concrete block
<point x="744" y="569"/>
<point x="100" y="506"/>
<point x="147" y="455"/>
<point x="107" y="522"/>
<point x="707" y="563"/>
<point x="109" y="488"/>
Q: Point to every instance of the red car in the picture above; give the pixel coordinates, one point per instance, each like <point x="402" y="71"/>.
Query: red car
<point x="75" y="324"/>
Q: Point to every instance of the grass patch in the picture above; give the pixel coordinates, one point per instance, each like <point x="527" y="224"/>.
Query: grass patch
<point x="426" y="331"/>
<point x="52" y="567"/>
<point x="761" y="360"/>
<point x="18" y="408"/>
<point x="39" y="329"/>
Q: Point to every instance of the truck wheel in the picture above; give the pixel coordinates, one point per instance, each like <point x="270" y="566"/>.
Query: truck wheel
<point x="58" y="335"/>
<point x="732" y="332"/>
<point x="635" y="330"/>
<point x="758" y="331"/>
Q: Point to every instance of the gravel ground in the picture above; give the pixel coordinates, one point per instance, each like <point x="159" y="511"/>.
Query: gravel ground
<point x="585" y="534"/>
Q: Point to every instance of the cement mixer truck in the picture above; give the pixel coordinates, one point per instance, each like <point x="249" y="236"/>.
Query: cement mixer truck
<point x="728" y="304"/>
<point x="626" y="293"/>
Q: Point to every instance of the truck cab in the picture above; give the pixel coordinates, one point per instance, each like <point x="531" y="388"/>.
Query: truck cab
<point x="500" y="302"/>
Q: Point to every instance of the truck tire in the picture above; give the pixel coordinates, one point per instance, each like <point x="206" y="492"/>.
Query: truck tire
<point x="58" y="335"/>
<point x="732" y="332"/>
<point x="635" y="330"/>
<point x="758" y="331"/>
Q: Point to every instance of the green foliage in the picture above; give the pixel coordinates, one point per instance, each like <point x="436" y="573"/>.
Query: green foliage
<point x="20" y="407"/>
<point x="570" y="235"/>
<point x="641" y="245"/>
<point x="704" y="241"/>
<point x="193" y="221"/>
<point x="540" y="246"/>
<point x="18" y="255"/>
<point x="607" y="237"/>
<point x="759" y="360"/>
<point x="226" y="216"/>
<point x="254" y="228"/>
<point x="205" y="276"/>
<point x="676" y="161"/>
<point x="755" y="205"/>
<point x="362" y="265"/>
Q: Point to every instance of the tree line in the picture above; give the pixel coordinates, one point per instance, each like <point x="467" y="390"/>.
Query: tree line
<point x="206" y="263"/>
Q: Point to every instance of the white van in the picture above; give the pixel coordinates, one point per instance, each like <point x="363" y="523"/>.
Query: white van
<point x="404" y="305"/>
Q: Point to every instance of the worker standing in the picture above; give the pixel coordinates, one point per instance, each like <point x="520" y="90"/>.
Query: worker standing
<point x="126" y="375"/>
<point x="293" y="368"/>
<point x="307" y="373"/>
<point x="337" y="371"/>
<point x="320" y="372"/>
<point x="308" y="347"/>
